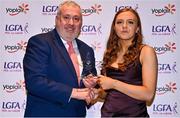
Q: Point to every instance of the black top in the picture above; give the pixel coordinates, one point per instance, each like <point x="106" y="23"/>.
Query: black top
<point x="119" y="104"/>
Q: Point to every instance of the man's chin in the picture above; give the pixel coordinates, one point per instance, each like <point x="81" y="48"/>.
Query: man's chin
<point x="73" y="36"/>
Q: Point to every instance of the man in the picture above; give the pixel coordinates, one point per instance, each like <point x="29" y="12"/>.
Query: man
<point x="53" y="85"/>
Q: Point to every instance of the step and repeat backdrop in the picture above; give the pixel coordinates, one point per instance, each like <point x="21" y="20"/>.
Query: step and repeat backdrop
<point x="20" y="19"/>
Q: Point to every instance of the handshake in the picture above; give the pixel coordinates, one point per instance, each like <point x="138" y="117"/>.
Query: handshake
<point x="91" y="92"/>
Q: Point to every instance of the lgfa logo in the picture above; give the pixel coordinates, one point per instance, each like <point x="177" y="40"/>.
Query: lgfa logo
<point x="23" y="8"/>
<point x="12" y="66"/>
<point x="16" y="29"/>
<point x="164" y="29"/>
<point x="117" y="8"/>
<point x="165" y="109"/>
<point x="166" y="68"/>
<point x="91" y="29"/>
<point x="94" y="9"/>
<point x="167" y="9"/>
<point x="49" y="10"/>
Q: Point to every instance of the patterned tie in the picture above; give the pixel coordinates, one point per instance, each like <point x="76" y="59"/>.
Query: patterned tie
<point x="74" y="59"/>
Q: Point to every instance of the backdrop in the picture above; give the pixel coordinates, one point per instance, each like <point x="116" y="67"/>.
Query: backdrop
<point x="20" y="19"/>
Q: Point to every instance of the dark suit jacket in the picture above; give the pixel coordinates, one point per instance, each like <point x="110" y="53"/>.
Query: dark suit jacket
<point x="50" y="76"/>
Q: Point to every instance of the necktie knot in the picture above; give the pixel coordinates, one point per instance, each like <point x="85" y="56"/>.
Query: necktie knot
<point x="70" y="48"/>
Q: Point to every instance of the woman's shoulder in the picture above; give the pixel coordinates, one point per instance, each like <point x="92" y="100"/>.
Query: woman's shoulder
<point x="147" y="52"/>
<point x="146" y="48"/>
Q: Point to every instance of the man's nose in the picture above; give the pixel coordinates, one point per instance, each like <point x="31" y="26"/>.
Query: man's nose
<point x="71" y="21"/>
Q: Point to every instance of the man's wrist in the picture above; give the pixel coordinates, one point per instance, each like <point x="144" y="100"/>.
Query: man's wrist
<point x="74" y="93"/>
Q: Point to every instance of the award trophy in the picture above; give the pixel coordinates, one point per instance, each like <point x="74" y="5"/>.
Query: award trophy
<point x="88" y="66"/>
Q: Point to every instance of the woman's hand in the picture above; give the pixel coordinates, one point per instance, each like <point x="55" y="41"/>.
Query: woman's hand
<point x="106" y="82"/>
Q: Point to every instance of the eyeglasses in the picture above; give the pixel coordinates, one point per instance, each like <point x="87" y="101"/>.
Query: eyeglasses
<point x="67" y="18"/>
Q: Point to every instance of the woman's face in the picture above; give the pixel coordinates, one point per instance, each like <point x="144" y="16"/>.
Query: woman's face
<point x="126" y="25"/>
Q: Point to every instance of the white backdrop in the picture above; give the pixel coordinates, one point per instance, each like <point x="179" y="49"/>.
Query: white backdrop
<point x="20" y="19"/>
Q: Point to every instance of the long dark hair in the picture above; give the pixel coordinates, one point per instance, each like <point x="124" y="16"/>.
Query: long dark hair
<point x="113" y="46"/>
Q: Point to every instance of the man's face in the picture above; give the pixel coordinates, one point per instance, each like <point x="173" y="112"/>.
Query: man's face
<point x="69" y="22"/>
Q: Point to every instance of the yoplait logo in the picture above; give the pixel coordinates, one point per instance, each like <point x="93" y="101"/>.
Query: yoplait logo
<point x="170" y="87"/>
<point x="15" y="11"/>
<point x="94" y="9"/>
<point x="14" y="48"/>
<point x="169" y="47"/>
<point x="167" y="9"/>
<point x="14" y="87"/>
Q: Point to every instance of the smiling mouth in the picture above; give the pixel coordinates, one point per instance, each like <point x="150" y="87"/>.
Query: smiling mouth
<point x="69" y="29"/>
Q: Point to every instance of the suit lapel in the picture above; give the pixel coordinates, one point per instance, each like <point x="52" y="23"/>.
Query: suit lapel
<point x="62" y="50"/>
<point x="83" y="53"/>
<point x="82" y="50"/>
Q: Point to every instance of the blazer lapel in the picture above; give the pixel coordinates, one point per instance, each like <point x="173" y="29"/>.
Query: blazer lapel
<point x="84" y="55"/>
<point x="87" y="59"/>
<point x="82" y="51"/>
<point x="62" y="50"/>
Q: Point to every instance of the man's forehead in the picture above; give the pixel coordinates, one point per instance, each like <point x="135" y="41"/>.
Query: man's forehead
<point x="71" y="10"/>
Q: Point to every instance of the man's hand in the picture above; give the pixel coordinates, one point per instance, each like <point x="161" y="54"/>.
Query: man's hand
<point x="90" y="81"/>
<point x="86" y="94"/>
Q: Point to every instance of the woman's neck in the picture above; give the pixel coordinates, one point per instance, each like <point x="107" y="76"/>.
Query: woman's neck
<point x="124" y="44"/>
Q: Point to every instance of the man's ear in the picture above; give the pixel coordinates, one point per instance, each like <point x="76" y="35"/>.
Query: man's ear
<point x="56" y="19"/>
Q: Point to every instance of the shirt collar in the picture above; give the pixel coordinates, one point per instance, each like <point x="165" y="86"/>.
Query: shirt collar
<point x="74" y="43"/>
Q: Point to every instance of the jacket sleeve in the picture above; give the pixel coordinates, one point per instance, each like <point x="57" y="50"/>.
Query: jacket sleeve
<point x="35" y="65"/>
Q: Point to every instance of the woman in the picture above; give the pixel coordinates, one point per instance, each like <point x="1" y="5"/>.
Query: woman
<point x="129" y="68"/>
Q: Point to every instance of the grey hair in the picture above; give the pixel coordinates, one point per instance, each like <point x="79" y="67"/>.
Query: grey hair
<point x="67" y="3"/>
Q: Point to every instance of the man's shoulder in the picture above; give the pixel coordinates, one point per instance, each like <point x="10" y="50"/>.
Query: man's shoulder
<point x="43" y="36"/>
<point x="46" y="34"/>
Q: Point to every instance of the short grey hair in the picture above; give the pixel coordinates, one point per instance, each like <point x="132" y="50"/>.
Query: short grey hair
<point x="67" y="3"/>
